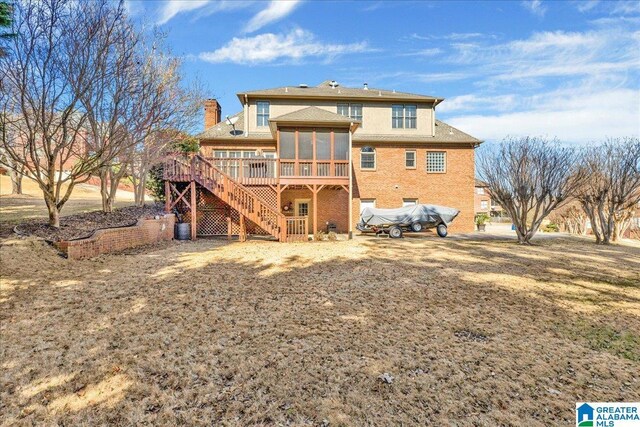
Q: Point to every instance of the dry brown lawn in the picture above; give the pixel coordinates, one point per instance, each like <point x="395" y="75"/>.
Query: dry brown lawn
<point x="30" y="205"/>
<point x="473" y="332"/>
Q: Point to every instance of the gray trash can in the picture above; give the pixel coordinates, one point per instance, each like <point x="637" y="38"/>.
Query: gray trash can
<point x="183" y="231"/>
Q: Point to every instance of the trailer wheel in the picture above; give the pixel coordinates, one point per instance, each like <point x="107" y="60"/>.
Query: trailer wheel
<point x="416" y="227"/>
<point x="395" y="232"/>
<point x="442" y="230"/>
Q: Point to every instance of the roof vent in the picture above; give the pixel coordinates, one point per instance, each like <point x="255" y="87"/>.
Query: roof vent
<point x="303" y="85"/>
<point x="333" y="84"/>
<point x="366" y="87"/>
<point x="450" y="131"/>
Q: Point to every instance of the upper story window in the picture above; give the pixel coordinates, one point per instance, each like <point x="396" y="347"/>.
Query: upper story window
<point x="436" y="161"/>
<point x="263" y="113"/>
<point x="480" y="190"/>
<point x="367" y="158"/>
<point x="410" y="159"/>
<point x="404" y="116"/>
<point x="353" y="111"/>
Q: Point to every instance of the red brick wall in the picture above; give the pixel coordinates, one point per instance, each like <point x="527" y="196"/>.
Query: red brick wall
<point x="391" y="182"/>
<point x="145" y="232"/>
<point x="333" y="206"/>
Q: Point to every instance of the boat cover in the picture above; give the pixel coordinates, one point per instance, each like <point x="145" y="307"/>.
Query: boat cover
<point x="408" y="215"/>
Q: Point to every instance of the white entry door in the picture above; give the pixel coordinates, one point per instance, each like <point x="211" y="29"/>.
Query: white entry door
<point x="302" y="207"/>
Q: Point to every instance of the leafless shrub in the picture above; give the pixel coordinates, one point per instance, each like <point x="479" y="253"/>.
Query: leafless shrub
<point x="529" y="177"/>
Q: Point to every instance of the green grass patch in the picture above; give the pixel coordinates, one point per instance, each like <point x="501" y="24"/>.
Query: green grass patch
<point x="623" y="344"/>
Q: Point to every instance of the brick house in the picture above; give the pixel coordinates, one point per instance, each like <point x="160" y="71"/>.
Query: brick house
<point x="324" y="153"/>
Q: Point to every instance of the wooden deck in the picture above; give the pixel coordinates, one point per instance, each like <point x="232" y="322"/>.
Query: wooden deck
<point x="196" y="170"/>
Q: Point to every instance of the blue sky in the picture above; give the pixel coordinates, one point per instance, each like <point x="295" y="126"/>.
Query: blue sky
<point x="566" y="69"/>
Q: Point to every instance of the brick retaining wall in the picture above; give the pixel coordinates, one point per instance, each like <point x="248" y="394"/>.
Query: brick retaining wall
<point x="108" y="240"/>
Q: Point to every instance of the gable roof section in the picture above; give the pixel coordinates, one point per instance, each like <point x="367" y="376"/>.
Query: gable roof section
<point x="325" y="91"/>
<point x="444" y="134"/>
<point x="314" y="115"/>
<point x="224" y="130"/>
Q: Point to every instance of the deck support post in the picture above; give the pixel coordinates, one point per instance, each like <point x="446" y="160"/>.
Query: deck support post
<point x="167" y="196"/>
<point x="194" y="220"/>
<point x="242" y="237"/>
<point x="315" y="209"/>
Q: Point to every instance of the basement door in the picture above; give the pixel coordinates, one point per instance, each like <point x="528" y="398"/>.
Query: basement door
<point x="302" y="208"/>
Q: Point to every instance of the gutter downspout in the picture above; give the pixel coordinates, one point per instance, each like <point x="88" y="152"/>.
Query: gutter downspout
<point x="246" y="116"/>
<point x="433" y="120"/>
<point x="350" y="182"/>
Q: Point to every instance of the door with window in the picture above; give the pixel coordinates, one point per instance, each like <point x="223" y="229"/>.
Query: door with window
<point x="302" y="207"/>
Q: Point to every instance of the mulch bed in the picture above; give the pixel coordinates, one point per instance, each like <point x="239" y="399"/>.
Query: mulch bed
<point x="84" y="225"/>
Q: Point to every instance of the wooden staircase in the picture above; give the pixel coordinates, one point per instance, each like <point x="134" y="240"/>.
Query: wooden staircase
<point x="196" y="169"/>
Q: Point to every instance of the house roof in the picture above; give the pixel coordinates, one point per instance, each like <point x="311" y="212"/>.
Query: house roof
<point x="325" y="91"/>
<point x="481" y="183"/>
<point x="224" y="130"/>
<point x="444" y="132"/>
<point x="313" y="115"/>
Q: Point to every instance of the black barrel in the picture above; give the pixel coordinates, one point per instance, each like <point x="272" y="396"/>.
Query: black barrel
<point x="183" y="231"/>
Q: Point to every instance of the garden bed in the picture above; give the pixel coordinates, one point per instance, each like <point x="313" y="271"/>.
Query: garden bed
<point x="83" y="225"/>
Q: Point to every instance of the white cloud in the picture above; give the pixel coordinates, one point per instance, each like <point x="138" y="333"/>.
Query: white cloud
<point x="572" y="116"/>
<point x="423" y="52"/>
<point x="269" y="47"/>
<point x="275" y="11"/>
<point x="535" y="7"/>
<point x="553" y="54"/>
<point x="586" y="5"/>
<point x="173" y="7"/>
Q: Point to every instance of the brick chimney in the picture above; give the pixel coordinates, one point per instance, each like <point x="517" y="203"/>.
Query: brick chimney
<point x="212" y="113"/>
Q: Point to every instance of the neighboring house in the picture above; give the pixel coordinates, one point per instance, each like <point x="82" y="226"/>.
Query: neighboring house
<point x="484" y="203"/>
<point x="328" y="151"/>
<point x="482" y="198"/>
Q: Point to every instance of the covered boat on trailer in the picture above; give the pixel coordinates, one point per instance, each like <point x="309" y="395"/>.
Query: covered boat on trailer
<point x="414" y="218"/>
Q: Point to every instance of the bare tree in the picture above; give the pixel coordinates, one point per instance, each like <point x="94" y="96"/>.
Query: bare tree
<point x="43" y="79"/>
<point x="110" y="100"/>
<point x="167" y="111"/>
<point x="611" y="191"/>
<point x="571" y="218"/>
<point x="529" y="178"/>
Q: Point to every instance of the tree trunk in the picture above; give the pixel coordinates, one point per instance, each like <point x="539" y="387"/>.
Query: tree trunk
<point x="16" y="182"/>
<point x="54" y="213"/>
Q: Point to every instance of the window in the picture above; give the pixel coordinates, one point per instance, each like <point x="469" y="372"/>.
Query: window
<point x="397" y="116"/>
<point x="263" y="113"/>
<point x="484" y="204"/>
<point x="323" y="145"/>
<point x="410" y="159"/>
<point x="436" y="161"/>
<point x="367" y="203"/>
<point x="480" y="190"/>
<point x="305" y="145"/>
<point x="287" y="144"/>
<point x="341" y="141"/>
<point x="409" y="202"/>
<point x="353" y="111"/>
<point x="367" y="158"/>
<point x="404" y="116"/>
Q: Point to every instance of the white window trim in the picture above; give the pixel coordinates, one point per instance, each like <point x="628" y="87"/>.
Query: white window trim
<point x="258" y="114"/>
<point x="409" y="201"/>
<point x="403" y="121"/>
<point x="367" y="200"/>
<point x="375" y="160"/>
<point x="415" y="159"/>
<point x="427" y="161"/>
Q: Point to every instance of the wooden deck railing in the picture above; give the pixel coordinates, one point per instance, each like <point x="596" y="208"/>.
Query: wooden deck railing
<point x="297" y="228"/>
<point x="310" y="168"/>
<point x="229" y="190"/>
<point x="267" y="171"/>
